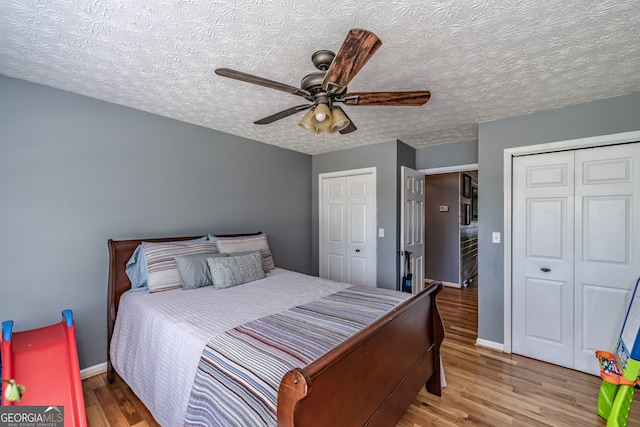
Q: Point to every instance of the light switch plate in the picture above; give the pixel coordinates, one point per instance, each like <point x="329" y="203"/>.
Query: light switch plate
<point x="495" y="237"/>
<point x="444" y="208"/>
<point x="380" y="232"/>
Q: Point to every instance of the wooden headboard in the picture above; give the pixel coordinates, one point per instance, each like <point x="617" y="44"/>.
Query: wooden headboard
<point x="119" y="253"/>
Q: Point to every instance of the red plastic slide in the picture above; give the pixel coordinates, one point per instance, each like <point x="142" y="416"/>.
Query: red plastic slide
<point x="45" y="361"/>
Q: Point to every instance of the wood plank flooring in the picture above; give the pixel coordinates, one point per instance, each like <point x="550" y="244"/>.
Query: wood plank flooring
<point x="484" y="387"/>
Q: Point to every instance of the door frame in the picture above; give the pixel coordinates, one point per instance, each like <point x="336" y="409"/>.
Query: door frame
<point x="363" y="171"/>
<point x="548" y="147"/>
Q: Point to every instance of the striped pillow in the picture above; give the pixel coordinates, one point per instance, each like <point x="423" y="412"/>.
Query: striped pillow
<point x="257" y="242"/>
<point x="161" y="261"/>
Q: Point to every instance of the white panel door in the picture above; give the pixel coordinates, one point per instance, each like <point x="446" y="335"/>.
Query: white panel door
<point x="412" y="225"/>
<point x="334" y="192"/>
<point x="576" y="252"/>
<point x="543" y="236"/>
<point x="347" y="228"/>
<point x="607" y="261"/>
<point x="361" y="234"/>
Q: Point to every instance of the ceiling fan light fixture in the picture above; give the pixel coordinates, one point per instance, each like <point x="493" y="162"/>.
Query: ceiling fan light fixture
<point x="322" y="114"/>
<point x="307" y="122"/>
<point x="339" y="120"/>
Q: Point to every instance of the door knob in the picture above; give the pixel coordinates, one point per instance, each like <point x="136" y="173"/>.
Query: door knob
<point x="545" y="269"/>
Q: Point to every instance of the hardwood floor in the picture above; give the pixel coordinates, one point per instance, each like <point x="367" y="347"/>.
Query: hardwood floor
<point x="484" y="387"/>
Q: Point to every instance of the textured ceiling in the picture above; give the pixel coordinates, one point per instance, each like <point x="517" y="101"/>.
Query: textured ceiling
<point x="481" y="59"/>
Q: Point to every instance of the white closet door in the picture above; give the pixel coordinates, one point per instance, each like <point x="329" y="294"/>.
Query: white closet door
<point x="361" y="235"/>
<point x="576" y="252"/>
<point x="607" y="261"/>
<point x="543" y="236"/>
<point x="334" y="237"/>
<point x="347" y="227"/>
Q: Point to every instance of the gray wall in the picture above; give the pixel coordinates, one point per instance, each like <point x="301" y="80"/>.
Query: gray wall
<point x="75" y="171"/>
<point x="607" y="116"/>
<point x="451" y="154"/>
<point x="442" y="229"/>
<point x="386" y="157"/>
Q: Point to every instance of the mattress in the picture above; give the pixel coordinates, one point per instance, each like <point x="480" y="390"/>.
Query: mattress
<point x="159" y="337"/>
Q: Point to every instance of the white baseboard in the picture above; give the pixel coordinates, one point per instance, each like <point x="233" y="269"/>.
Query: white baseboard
<point x="490" y="344"/>
<point x="93" y="370"/>
<point x="450" y="284"/>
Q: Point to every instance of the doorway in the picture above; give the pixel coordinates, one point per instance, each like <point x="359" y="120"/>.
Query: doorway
<point x="460" y="241"/>
<point x="451" y="228"/>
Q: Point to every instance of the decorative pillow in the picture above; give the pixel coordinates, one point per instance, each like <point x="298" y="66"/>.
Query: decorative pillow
<point x="193" y="270"/>
<point x="257" y="242"/>
<point x="136" y="267"/>
<point x="161" y="261"/>
<point x="235" y="270"/>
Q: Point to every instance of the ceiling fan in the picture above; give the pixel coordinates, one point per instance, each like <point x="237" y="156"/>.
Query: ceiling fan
<point x="325" y="88"/>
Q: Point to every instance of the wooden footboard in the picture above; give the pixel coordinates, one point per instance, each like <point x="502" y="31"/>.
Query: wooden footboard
<point x="370" y="379"/>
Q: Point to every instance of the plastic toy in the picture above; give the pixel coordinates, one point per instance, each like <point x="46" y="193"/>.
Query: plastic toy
<point x="619" y="370"/>
<point x="45" y="361"/>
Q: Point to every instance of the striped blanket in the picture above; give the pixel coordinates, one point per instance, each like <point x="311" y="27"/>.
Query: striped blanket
<point x="239" y="372"/>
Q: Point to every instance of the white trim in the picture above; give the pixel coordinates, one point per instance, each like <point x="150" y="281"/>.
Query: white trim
<point x="350" y="172"/>
<point x="448" y="169"/>
<point x="490" y="344"/>
<point x="506" y="239"/>
<point x="93" y="370"/>
<point x="450" y="284"/>
<point x="509" y="153"/>
<point x="363" y="171"/>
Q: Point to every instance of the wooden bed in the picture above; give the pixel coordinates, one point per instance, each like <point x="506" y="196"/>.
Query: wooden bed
<point x="391" y="360"/>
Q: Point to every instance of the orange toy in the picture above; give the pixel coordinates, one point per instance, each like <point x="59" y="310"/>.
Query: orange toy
<point x="45" y="361"/>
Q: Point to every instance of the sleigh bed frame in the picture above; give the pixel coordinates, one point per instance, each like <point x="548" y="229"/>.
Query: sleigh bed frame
<point x="392" y="360"/>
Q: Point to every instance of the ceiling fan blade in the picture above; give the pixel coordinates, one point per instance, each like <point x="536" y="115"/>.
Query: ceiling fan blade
<point x="412" y="99"/>
<point x="282" y="114"/>
<point x="249" y="78"/>
<point x="358" y="47"/>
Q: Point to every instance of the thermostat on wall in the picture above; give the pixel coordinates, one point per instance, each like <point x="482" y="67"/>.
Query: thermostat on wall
<point x="444" y="208"/>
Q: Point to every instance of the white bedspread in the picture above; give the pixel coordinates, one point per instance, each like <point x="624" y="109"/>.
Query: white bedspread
<point x="159" y="337"/>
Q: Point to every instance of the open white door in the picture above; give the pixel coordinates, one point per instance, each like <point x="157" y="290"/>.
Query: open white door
<point x="412" y="225"/>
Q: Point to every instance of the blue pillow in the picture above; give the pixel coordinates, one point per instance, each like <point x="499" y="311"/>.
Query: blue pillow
<point x="137" y="269"/>
<point x="194" y="270"/>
